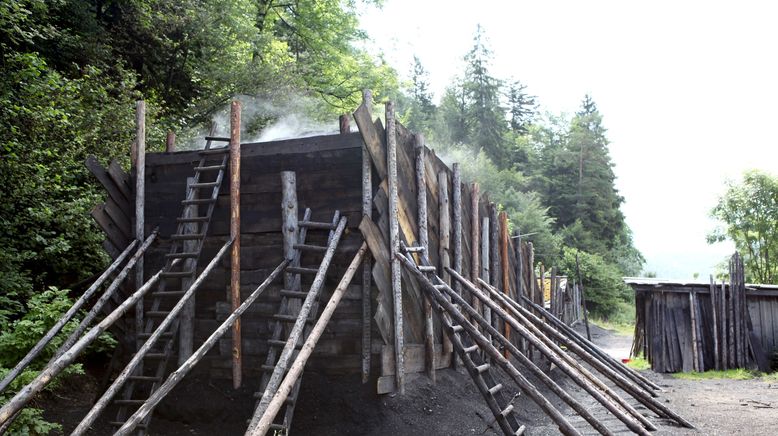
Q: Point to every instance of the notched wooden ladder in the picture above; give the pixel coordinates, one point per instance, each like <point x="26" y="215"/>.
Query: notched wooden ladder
<point x="297" y="307"/>
<point x="180" y="268"/>
<point x="470" y="353"/>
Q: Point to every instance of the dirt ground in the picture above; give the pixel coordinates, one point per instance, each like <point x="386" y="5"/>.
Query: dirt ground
<point x="344" y="406"/>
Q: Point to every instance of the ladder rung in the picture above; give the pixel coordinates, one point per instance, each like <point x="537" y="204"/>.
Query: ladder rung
<point x="309" y="247"/>
<point x="176" y="274"/>
<point x="440" y="286"/>
<point x="316" y="225"/>
<point x="275" y="426"/>
<point x="289" y="318"/>
<point x="198" y="201"/>
<point x="507" y="410"/>
<point x="301" y="270"/>
<point x="186" y="236"/>
<point x="413" y="249"/>
<point x="217" y="138"/>
<point x="483" y="368"/>
<point x="168" y="294"/>
<point x="193" y="219"/>
<point x="145" y="378"/>
<point x="289" y="400"/>
<point x="157" y="313"/>
<point x="191" y="254"/>
<point x="423" y="268"/>
<point x="220" y="150"/>
<point x="121" y="423"/>
<point x="129" y="402"/>
<point x="293" y="294"/>
<point x="210" y="168"/>
<point x="278" y="343"/>
<point x="471" y="348"/>
<point x="496" y="388"/>
<point x="155" y="356"/>
<point x="457" y="328"/>
<point x="204" y="185"/>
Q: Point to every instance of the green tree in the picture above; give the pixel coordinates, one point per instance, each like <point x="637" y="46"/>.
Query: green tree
<point x="421" y="112"/>
<point x="521" y="106"/>
<point x="748" y="211"/>
<point x="485" y="117"/>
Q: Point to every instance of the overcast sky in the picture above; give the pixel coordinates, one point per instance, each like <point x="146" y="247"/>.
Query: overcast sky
<point x="688" y="91"/>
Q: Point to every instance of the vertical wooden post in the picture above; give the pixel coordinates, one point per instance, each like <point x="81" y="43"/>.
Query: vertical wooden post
<point x="693" y="315"/>
<point x="140" y="202"/>
<point x="444" y="240"/>
<point x="394" y="241"/>
<point x="186" y="319"/>
<point x="724" y="323"/>
<point x="237" y="358"/>
<point x="170" y="141"/>
<point x="290" y="230"/>
<point x="505" y="264"/>
<point x="583" y="296"/>
<point x="494" y="253"/>
<point x="520" y="291"/>
<point x="343" y="124"/>
<point x="714" y="312"/>
<point x="487" y="311"/>
<point x="367" y="277"/>
<point x="532" y="282"/>
<point x="456" y="185"/>
<point x="421" y="200"/>
<point x="475" y="243"/>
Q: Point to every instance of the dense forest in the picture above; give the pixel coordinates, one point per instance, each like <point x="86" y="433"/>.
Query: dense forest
<point x="71" y="70"/>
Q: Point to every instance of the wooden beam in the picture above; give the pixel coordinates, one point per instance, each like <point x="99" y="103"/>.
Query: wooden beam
<point x="421" y="201"/>
<point x="237" y="358"/>
<point x="140" y="202"/>
<point x="475" y="243"/>
<point x="506" y="265"/>
<point x="457" y="206"/>
<point x="367" y="212"/>
<point x="186" y="322"/>
<point x="444" y="240"/>
<point x="394" y="242"/>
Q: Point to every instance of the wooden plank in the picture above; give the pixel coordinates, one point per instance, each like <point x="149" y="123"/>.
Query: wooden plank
<point x="415" y="359"/>
<point x="307" y="145"/>
<point x="382" y="276"/>
<point x="421" y="201"/>
<point x="374" y="142"/>
<point x="105" y="180"/>
<point x="114" y="235"/>
<point x="694" y="331"/>
<point x="444" y="247"/>
<point x="121" y="179"/>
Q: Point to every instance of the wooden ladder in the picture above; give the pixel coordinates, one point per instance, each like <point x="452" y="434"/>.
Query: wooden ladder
<point x="468" y="351"/>
<point x="289" y="310"/>
<point x="180" y="267"/>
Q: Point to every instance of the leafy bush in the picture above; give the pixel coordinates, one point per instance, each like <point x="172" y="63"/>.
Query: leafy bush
<point x="605" y="290"/>
<point x="19" y="336"/>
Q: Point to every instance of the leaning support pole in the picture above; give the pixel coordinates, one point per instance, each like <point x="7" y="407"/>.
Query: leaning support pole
<point x="52" y="370"/>
<point x="187" y="366"/>
<point x="307" y="349"/>
<point x="297" y="330"/>
<point x="484" y="344"/>
<point x="574" y="336"/>
<point x="36" y="350"/>
<point x="128" y="370"/>
<point x="636" y="392"/>
<point x="98" y="306"/>
<point x="536" y="371"/>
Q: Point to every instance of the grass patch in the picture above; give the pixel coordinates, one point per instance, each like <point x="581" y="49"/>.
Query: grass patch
<point x="771" y="377"/>
<point x="730" y="374"/>
<point x="621" y="327"/>
<point x="639" y="363"/>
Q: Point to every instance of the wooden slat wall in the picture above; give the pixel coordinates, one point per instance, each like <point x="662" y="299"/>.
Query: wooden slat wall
<point x="667" y="309"/>
<point x="329" y="177"/>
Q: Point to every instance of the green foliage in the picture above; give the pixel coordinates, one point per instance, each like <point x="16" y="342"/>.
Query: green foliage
<point x="731" y="374"/>
<point x="19" y="336"/>
<point x="605" y="289"/>
<point x="749" y="213"/>
<point x="639" y="363"/>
